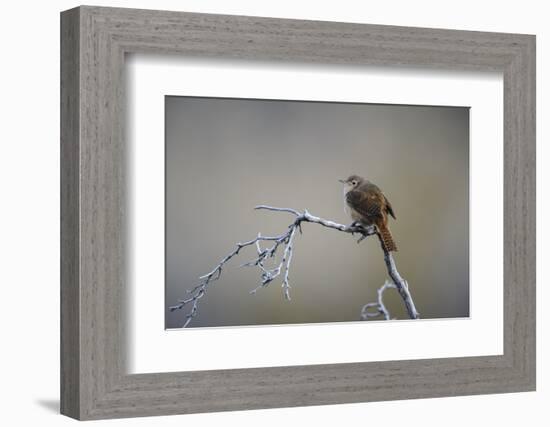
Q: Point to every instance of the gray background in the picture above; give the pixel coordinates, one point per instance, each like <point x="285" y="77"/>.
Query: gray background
<point x="224" y="156"/>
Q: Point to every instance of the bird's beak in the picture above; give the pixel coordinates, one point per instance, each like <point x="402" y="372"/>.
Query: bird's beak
<point x="342" y="181"/>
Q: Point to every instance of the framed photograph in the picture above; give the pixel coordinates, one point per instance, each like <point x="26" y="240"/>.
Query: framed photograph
<point x="277" y="213"/>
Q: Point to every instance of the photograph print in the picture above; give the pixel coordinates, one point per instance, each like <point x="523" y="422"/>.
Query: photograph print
<point x="281" y="212"/>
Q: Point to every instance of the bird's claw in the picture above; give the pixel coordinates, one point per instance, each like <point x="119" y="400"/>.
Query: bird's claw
<point x="363" y="237"/>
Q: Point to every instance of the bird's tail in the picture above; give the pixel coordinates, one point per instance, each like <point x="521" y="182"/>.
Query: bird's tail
<point x="387" y="238"/>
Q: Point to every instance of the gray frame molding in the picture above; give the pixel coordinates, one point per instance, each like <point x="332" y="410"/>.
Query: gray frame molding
<point x="94" y="383"/>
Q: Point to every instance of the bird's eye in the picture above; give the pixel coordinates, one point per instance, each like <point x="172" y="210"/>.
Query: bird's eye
<point x="353" y="182"/>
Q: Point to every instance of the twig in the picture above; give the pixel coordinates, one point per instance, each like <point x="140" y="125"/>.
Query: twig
<point x="283" y="267"/>
<point x="379" y="305"/>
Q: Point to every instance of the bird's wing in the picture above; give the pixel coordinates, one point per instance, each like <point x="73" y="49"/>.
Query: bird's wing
<point x="389" y="208"/>
<point x="364" y="203"/>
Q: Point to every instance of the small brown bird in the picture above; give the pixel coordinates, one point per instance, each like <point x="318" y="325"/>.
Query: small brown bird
<point x="367" y="205"/>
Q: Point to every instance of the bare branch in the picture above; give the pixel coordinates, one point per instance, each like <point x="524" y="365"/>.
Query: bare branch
<point x="379" y="305"/>
<point x="401" y="284"/>
<point x="286" y="240"/>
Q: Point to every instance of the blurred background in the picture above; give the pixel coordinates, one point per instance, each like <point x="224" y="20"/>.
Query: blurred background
<point x="225" y="156"/>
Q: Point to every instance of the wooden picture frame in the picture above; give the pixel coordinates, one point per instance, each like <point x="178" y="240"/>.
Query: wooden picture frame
<point x="94" y="41"/>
